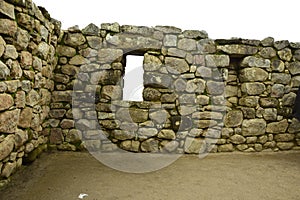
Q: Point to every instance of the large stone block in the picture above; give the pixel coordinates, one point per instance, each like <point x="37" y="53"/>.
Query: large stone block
<point x="6" y="146"/>
<point x="237" y="49"/>
<point x="253" y="88"/>
<point x="277" y="127"/>
<point x="176" y="65"/>
<point x="253" y="74"/>
<point x="252" y="61"/>
<point x="217" y="60"/>
<point x="9" y="121"/>
<point x="233" y="118"/>
<point x="25" y="118"/>
<point x="8" y="27"/>
<point x="194" y="145"/>
<point x="74" y="39"/>
<point x="150" y="145"/>
<point x="254" y="127"/>
<point x="6" y="101"/>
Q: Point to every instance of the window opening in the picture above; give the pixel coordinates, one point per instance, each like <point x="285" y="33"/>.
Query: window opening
<point x="133" y="78"/>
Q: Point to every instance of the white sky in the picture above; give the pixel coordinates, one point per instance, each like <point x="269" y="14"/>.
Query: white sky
<point x="222" y="19"/>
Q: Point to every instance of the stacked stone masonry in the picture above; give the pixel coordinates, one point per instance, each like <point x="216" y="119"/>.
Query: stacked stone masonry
<point x="63" y="89"/>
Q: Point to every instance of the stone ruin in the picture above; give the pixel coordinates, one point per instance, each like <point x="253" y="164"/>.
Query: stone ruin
<point x="62" y="89"/>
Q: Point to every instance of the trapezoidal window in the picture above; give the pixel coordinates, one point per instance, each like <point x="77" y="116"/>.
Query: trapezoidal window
<point x="133" y="78"/>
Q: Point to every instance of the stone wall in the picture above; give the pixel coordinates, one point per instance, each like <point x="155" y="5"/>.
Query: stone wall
<point x="200" y="95"/>
<point x="28" y="39"/>
<point x="63" y="89"/>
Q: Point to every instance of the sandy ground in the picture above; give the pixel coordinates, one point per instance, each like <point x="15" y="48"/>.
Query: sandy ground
<point x="65" y="175"/>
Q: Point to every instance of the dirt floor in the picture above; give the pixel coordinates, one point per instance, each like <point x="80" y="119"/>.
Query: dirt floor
<point x="65" y="175"/>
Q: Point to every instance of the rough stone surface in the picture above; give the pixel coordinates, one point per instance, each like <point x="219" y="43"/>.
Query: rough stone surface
<point x="253" y="127"/>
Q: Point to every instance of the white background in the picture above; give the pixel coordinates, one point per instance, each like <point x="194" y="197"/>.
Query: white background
<point x="222" y="19"/>
<point x="254" y="19"/>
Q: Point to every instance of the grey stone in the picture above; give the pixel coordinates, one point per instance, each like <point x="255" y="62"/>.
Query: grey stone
<point x="6" y="101"/>
<point x="91" y="29"/>
<point x="6" y="146"/>
<point x="20" y="99"/>
<point x="253" y="88"/>
<point x="294" y="67"/>
<point x="215" y="88"/>
<point x="43" y="50"/>
<point x="4" y="71"/>
<point x="289" y="99"/>
<point x="132" y="115"/>
<point x="168" y="98"/>
<point x="150" y="145"/>
<point x="168" y="29"/>
<point x="270" y="114"/>
<point x="8" y="169"/>
<point x="151" y="62"/>
<point x="237" y="139"/>
<point x="7" y="9"/>
<point x="267" y="52"/>
<point x="277" y="127"/>
<point x="269" y="102"/>
<point x="132" y="42"/>
<point x="56" y="136"/>
<point x="253" y="127"/>
<point x="9" y="121"/>
<point x="15" y="69"/>
<point x="195" y="34"/>
<point x="8" y="27"/>
<point x="176" y="52"/>
<point x="111" y="92"/>
<point x="151" y="94"/>
<point x="225" y="148"/>
<point x="277" y="66"/>
<point x="207" y="115"/>
<point x="25" y="118"/>
<point x="160" y="116"/>
<point x="285" y="145"/>
<point x="170" y="146"/>
<point x="187" y="44"/>
<point x="269" y="41"/>
<point x="237" y="49"/>
<point x="170" y="41"/>
<point x="73" y="136"/>
<point x="194" y="145"/>
<point x="285" y="54"/>
<point x="277" y="90"/>
<point x="124" y="135"/>
<point x="130" y="145"/>
<point x="176" y="65"/>
<point x="231" y="91"/>
<point x="167" y="134"/>
<point x="189" y="99"/>
<point x="294" y="127"/>
<point x="21" y="137"/>
<point x="153" y="79"/>
<point x="147" y="132"/>
<point x="281" y="78"/>
<point x="114" y="27"/>
<point x="109" y="55"/>
<point x="11" y="52"/>
<point x="33" y="98"/>
<point x="217" y="60"/>
<point x="74" y="39"/>
<point x="281" y="44"/>
<point x="62" y="96"/>
<point x="284" y="137"/>
<point x="65" y="51"/>
<point x="67" y="123"/>
<point x="252" y="61"/>
<point x="233" y="118"/>
<point x="78" y="60"/>
<point x="94" y="42"/>
<point x="253" y="74"/>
